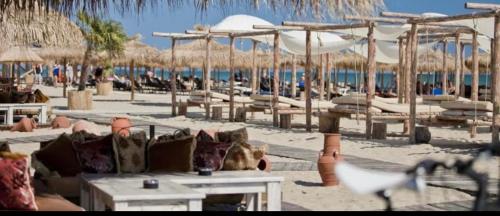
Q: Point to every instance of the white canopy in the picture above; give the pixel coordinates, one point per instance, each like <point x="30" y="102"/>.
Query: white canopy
<point x="321" y="42"/>
<point x="386" y="51"/>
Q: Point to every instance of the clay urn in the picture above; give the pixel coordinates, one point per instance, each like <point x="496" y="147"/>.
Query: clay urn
<point x="327" y="159"/>
<point x="25" y="125"/>
<point x="264" y="164"/>
<point x="61" y="122"/>
<point x="121" y="126"/>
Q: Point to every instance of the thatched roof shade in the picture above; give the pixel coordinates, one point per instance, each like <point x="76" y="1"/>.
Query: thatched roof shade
<point x="53" y="30"/>
<point x="434" y="61"/>
<point x="135" y="51"/>
<point x="20" y="54"/>
<point x="484" y="62"/>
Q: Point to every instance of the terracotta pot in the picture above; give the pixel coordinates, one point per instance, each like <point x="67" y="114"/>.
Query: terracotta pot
<point x="25" y="125"/>
<point x="121" y="126"/>
<point x="264" y="164"/>
<point x="326" y="168"/>
<point x="61" y="122"/>
<point x="331" y="143"/>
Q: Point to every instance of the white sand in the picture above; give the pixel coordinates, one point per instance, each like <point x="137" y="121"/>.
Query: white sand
<point x="447" y="142"/>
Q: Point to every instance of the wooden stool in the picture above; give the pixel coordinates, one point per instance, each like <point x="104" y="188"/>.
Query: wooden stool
<point x="329" y="124"/>
<point x="241" y="114"/>
<point x="286" y="121"/>
<point x="182" y="110"/>
<point x="379" y="131"/>
<point x="207" y="111"/>
<point x="217" y="113"/>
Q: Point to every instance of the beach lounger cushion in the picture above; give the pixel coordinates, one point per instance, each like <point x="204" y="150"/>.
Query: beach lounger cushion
<point x="467" y="105"/>
<point x="97" y="156"/>
<point x="16" y="191"/>
<point x="453" y="113"/>
<point x="173" y="155"/>
<point x="478" y="113"/>
<point x="57" y="156"/>
<point x="239" y="136"/>
<point x="130" y="152"/>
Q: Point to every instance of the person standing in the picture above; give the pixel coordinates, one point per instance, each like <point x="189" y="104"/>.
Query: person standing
<point x="69" y="74"/>
<point x="56" y="73"/>
<point x="38" y="74"/>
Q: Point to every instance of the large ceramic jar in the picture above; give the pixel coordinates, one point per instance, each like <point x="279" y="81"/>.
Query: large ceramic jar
<point x="327" y="159"/>
<point x="121" y="126"/>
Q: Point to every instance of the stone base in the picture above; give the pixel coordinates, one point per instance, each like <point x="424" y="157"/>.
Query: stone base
<point x="80" y="100"/>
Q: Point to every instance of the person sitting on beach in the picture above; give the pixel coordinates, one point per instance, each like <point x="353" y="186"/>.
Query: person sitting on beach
<point x="264" y="84"/>
<point x="69" y="74"/>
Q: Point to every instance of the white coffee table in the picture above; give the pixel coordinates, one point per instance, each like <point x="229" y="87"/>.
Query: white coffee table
<point x="128" y="194"/>
<point x="250" y="183"/>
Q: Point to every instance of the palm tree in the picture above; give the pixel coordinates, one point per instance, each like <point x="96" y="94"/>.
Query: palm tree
<point x="319" y="8"/>
<point x="100" y="35"/>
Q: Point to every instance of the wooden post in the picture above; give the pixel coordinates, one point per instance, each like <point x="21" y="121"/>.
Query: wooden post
<point x="18" y="76"/>
<point x="413" y="96"/>
<point x="495" y="62"/>
<point x="308" y="82"/>
<point x="462" y="70"/>
<point x="408" y="80"/>
<point x="371" y="80"/>
<point x="65" y="78"/>
<point x="276" y="86"/>
<point x="328" y="76"/>
<point x="294" y="76"/>
<point x="173" y="80"/>
<point x="208" y="66"/>
<point x="321" y="72"/>
<point x="231" y="78"/>
<point x="401" y="75"/>
<point x="345" y="77"/>
<point x="457" y="65"/>
<point x="132" y="81"/>
<point x="445" y="68"/>
<point x="254" y="67"/>
<point x="475" y="67"/>
<point x="162" y="74"/>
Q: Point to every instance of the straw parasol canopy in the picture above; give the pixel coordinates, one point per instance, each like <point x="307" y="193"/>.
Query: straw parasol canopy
<point x="51" y="31"/>
<point x="484" y="62"/>
<point x="434" y="61"/>
<point x="138" y="52"/>
<point x="20" y="54"/>
<point x="193" y="54"/>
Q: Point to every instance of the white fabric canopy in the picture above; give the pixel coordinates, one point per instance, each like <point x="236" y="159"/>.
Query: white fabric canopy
<point x="321" y="42"/>
<point x="242" y="22"/>
<point x="386" y="51"/>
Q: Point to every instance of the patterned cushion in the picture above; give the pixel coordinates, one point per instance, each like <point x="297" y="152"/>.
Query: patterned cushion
<point x="97" y="156"/>
<point x="58" y="156"/>
<point x="209" y="153"/>
<point x="16" y="192"/>
<point x="243" y="157"/>
<point x="239" y="136"/>
<point x="130" y="152"/>
<point x="172" y="156"/>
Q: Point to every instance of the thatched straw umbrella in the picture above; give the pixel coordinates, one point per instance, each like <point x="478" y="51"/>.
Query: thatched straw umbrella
<point x="484" y="62"/>
<point x="17" y="55"/>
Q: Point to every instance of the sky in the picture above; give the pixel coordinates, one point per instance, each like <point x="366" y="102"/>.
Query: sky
<point x="162" y="19"/>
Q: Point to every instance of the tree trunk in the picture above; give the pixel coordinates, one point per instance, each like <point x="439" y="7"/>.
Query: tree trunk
<point x="276" y="86"/>
<point x="308" y="82"/>
<point x="83" y="74"/>
<point x="371" y="80"/>
<point x="413" y="96"/>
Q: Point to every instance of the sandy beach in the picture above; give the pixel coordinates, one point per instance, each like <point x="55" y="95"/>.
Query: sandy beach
<point x="300" y="187"/>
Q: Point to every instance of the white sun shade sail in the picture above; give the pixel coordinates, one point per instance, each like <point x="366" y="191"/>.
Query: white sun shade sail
<point x="386" y="51"/>
<point x="321" y="42"/>
<point x="242" y="22"/>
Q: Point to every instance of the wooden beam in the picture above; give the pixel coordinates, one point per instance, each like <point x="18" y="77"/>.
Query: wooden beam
<point x="495" y="62"/>
<point x="276" y="79"/>
<point x="208" y="66"/>
<point x="256" y="33"/>
<point x="328" y="76"/>
<point x="321" y="72"/>
<point x="272" y="27"/>
<point x="231" y="78"/>
<point x="462" y="70"/>
<point x="423" y="20"/>
<point x="311" y="26"/>
<point x="482" y="6"/>
<point x="308" y="70"/>
<point x="457" y="65"/>
<point x="376" y="19"/>
<point x="173" y="80"/>
<point x="475" y="68"/>
<point x="294" y="76"/>
<point x="254" y="67"/>
<point x="399" y="15"/>
<point x="372" y="67"/>
<point x="413" y="87"/>
<point x="401" y="74"/>
<point x="444" y="79"/>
